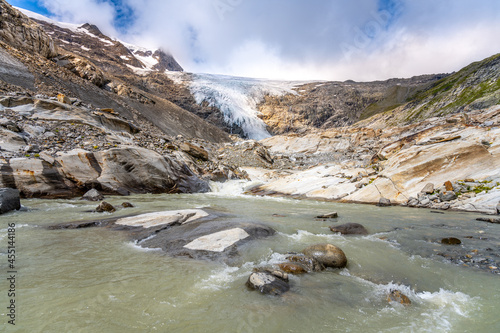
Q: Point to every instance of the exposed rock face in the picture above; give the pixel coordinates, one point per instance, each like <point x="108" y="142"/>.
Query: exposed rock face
<point x="334" y="104"/>
<point x="9" y="200"/>
<point x="327" y="254"/>
<point x="116" y="171"/>
<point x="409" y="157"/>
<point x="19" y="31"/>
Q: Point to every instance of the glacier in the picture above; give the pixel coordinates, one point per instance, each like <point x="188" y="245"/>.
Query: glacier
<point x="236" y="97"/>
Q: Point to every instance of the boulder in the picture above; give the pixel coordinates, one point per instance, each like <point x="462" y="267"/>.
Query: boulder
<point x="350" y="229"/>
<point x="327" y="254"/>
<point x="292" y="268"/>
<point x="331" y="215"/>
<point x="92" y="195"/>
<point x="309" y="263"/>
<point x="448" y="185"/>
<point x="105" y="207"/>
<point x="447" y="196"/>
<point x="398" y="297"/>
<point x="269" y="282"/>
<point x="498" y="208"/>
<point x="384" y="202"/>
<point x="63" y="99"/>
<point x="412" y="202"/>
<point x="127" y="205"/>
<point x="451" y="241"/>
<point x="428" y="188"/>
<point x="194" y="151"/>
<point x="9" y="200"/>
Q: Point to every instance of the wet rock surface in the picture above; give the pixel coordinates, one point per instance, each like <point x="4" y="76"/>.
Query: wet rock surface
<point x="350" y="229"/>
<point x="9" y="200"/>
<point x="327" y="254"/>
<point x="192" y="233"/>
<point x="269" y="282"/>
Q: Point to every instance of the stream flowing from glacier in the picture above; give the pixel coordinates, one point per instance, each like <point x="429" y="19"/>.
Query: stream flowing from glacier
<point x="96" y="280"/>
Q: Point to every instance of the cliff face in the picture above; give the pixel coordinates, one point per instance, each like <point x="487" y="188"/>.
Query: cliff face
<point x="17" y="30"/>
<point x="86" y="65"/>
<point x="326" y="105"/>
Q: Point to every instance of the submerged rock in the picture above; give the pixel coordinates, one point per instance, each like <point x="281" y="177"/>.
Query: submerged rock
<point x="350" y="229"/>
<point x="127" y="205"/>
<point x="399" y="297"/>
<point x="93" y="195"/>
<point x="489" y="219"/>
<point x="451" y="241"/>
<point x="327" y="254"/>
<point x="269" y="282"/>
<point x="310" y="263"/>
<point x="105" y="207"/>
<point x="9" y="200"/>
<point x="331" y="215"/>
<point x="292" y="268"/>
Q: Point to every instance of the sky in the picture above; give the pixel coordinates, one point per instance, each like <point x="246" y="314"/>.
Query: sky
<point x="362" y="40"/>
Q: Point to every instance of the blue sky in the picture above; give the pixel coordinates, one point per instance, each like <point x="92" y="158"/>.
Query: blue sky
<point x="293" y="39"/>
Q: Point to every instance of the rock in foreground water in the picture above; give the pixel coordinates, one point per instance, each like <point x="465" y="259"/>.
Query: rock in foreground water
<point x="105" y="207"/>
<point x="311" y="264"/>
<point x="350" y="229"/>
<point x="327" y="254"/>
<point x="399" y="297"/>
<point x="269" y="282"/>
<point x="9" y="200"/>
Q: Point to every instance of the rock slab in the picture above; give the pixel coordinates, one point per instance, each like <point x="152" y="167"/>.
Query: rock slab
<point x="218" y="241"/>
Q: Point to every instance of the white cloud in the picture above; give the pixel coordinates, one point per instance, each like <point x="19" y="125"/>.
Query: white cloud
<point x="306" y="40"/>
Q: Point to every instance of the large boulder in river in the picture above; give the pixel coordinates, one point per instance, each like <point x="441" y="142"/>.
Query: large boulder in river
<point x="9" y="200"/>
<point x="327" y="254"/>
<point x="194" y="233"/>
<point x="269" y="282"/>
<point x="350" y="229"/>
<point x="93" y="195"/>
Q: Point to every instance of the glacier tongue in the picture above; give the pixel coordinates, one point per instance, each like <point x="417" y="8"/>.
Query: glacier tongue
<point x="235" y="97"/>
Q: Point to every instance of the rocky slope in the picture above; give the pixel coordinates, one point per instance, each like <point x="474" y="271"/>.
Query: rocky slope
<point x="326" y="105"/>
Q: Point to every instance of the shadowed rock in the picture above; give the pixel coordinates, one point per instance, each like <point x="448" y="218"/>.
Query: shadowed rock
<point x="350" y="229"/>
<point x="9" y="200"/>
<point x="269" y="282"/>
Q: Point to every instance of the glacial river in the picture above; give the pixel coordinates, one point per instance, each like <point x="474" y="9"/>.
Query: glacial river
<point x="96" y="280"/>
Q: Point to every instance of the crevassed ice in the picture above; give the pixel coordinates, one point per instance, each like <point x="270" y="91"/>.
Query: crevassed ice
<point x="237" y="98"/>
